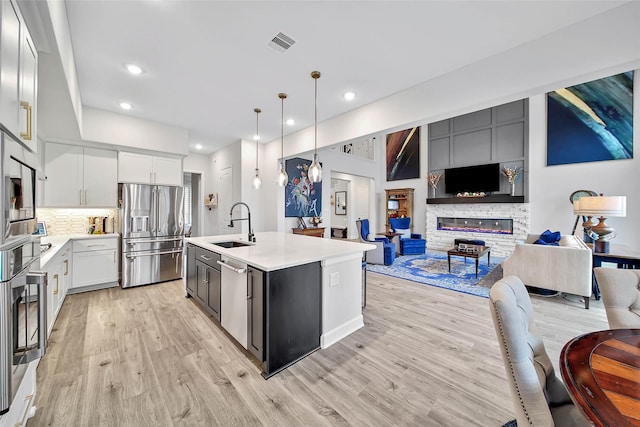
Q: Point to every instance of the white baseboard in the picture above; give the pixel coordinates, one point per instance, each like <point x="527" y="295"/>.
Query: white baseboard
<point x="333" y="336"/>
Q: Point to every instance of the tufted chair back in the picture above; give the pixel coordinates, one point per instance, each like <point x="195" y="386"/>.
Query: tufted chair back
<point x="620" y="295"/>
<point x="539" y="397"/>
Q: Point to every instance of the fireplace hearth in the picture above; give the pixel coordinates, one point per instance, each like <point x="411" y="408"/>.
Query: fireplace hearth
<point x="476" y="225"/>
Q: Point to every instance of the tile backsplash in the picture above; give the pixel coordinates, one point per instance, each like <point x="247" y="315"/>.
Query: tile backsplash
<point x="73" y="221"/>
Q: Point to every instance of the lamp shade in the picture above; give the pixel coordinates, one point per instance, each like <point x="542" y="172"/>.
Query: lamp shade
<point x="606" y="206"/>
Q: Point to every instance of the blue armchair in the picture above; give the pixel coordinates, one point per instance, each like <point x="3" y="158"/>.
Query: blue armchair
<point x="385" y="251"/>
<point x="410" y="243"/>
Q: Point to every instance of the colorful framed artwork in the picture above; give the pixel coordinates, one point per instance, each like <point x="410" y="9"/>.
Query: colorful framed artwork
<point x="403" y="154"/>
<point x="591" y="121"/>
<point x="302" y="198"/>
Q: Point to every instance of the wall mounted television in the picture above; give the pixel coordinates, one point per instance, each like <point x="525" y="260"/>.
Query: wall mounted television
<point x="393" y="205"/>
<point x="472" y="179"/>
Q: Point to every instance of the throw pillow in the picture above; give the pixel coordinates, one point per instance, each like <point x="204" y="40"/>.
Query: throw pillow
<point x="548" y="237"/>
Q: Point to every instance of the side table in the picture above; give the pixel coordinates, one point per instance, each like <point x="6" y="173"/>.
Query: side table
<point x="622" y="255"/>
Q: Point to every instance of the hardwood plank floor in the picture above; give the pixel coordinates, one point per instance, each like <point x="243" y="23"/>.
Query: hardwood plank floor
<point x="148" y="356"/>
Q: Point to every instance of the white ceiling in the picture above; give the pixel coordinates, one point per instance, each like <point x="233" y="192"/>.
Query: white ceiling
<point x="208" y="64"/>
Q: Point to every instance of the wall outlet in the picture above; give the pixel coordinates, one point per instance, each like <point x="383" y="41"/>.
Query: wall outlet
<point x="334" y="279"/>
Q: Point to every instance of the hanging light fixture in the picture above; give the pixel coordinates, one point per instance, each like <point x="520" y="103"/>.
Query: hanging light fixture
<point x="257" y="182"/>
<point x="283" y="178"/>
<point x="315" y="170"/>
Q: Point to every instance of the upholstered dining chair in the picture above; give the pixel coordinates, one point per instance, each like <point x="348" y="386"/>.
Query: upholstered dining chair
<point x="385" y="251"/>
<point x="410" y="243"/>
<point x="539" y="397"/>
<point x="620" y="291"/>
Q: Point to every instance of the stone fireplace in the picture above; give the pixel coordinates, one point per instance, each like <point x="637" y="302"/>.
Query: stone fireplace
<point x="500" y="225"/>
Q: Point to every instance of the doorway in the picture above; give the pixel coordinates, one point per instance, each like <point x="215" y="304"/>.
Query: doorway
<point x="192" y="212"/>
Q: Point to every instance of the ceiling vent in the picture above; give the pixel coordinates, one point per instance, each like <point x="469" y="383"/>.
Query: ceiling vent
<point x="281" y="42"/>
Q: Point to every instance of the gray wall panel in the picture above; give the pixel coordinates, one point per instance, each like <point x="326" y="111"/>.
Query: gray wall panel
<point x="509" y="112"/>
<point x="439" y="129"/>
<point x="472" y="148"/>
<point x="439" y="152"/>
<point x="510" y="141"/>
<point x="470" y="121"/>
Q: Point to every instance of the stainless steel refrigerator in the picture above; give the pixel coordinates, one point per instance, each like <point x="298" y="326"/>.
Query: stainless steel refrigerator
<point x="152" y="229"/>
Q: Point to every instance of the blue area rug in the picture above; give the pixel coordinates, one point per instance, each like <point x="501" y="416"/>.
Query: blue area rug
<point x="432" y="269"/>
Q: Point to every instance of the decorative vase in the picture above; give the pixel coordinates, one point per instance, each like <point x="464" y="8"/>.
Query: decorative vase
<point x="433" y="192"/>
<point x="513" y="188"/>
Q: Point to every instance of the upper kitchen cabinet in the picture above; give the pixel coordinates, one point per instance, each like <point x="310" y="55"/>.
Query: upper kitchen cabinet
<point x="145" y="169"/>
<point x="18" y="76"/>
<point x="80" y="176"/>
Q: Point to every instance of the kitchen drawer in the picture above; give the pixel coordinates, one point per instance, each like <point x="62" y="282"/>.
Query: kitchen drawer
<point x="208" y="257"/>
<point x="85" y="245"/>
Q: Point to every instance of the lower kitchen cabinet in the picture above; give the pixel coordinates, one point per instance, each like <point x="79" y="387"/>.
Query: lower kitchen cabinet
<point x="191" y="279"/>
<point x="207" y="281"/>
<point x="292" y="319"/>
<point x="59" y="279"/>
<point x="95" y="263"/>
<point x="283" y="308"/>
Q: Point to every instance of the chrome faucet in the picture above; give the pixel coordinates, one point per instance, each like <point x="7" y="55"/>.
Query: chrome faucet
<point x="252" y="238"/>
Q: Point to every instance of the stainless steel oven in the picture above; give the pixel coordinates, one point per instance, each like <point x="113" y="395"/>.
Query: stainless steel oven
<point x="23" y="314"/>
<point x="23" y="307"/>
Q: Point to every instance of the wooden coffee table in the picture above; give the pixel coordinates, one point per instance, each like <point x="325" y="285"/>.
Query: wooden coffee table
<point x="477" y="255"/>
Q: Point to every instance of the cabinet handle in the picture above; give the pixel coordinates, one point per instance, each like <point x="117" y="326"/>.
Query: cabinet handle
<point x="66" y="267"/>
<point x="85" y="197"/>
<point x="205" y="257"/>
<point x="28" y="398"/>
<point x="151" y="177"/>
<point x="55" y="290"/>
<point x="250" y="294"/>
<point x="27" y="135"/>
<point x="80" y="193"/>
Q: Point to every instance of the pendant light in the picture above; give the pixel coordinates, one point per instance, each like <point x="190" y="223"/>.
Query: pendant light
<point x="257" y="182"/>
<point x="283" y="178"/>
<point x="315" y="170"/>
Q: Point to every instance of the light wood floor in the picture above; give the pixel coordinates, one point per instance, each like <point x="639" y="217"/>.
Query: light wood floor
<point x="148" y="356"/>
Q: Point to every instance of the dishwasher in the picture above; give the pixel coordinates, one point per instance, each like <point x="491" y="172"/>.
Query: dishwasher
<point x="233" y="298"/>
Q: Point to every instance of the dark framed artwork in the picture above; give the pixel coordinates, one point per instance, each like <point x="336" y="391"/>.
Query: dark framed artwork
<point x="591" y="121"/>
<point x="302" y="198"/>
<point x="403" y="154"/>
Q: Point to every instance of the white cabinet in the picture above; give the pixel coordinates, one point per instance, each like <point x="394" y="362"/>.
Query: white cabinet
<point x="59" y="277"/>
<point x="80" y="176"/>
<point x="18" y="76"/>
<point x="144" y="169"/>
<point x="95" y="263"/>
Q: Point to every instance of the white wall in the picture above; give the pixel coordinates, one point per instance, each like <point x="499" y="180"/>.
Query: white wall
<point x="199" y="163"/>
<point x="550" y="187"/>
<point x="229" y="156"/>
<point x="132" y="132"/>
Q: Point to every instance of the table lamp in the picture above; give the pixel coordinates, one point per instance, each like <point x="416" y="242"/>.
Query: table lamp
<point x="604" y="207"/>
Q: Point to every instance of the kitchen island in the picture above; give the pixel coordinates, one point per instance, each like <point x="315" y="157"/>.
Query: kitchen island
<point x="281" y="297"/>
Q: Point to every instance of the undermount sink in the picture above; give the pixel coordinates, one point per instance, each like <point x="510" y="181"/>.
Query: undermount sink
<point x="232" y="244"/>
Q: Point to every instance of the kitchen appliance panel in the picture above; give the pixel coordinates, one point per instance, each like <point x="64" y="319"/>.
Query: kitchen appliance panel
<point x="169" y="219"/>
<point x="234" y="298"/>
<point x="146" y="267"/>
<point x="136" y="211"/>
<point x="18" y="194"/>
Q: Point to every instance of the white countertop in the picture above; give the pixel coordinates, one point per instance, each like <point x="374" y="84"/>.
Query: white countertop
<point x="58" y="242"/>
<point x="274" y="251"/>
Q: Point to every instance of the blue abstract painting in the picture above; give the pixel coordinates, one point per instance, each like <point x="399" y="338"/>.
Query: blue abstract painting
<point x="591" y="121"/>
<point x="302" y="197"/>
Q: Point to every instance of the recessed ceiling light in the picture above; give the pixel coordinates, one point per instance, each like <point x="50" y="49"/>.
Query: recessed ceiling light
<point x="198" y="146"/>
<point x="291" y="122"/>
<point x="349" y="96"/>
<point x="256" y="137"/>
<point x="125" y="106"/>
<point x="133" y="69"/>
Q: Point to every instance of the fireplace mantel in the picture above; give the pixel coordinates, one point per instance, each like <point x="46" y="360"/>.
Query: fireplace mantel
<point x="496" y="198"/>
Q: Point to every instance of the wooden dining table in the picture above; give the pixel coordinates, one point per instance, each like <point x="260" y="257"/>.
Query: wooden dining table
<point x="602" y="373"/>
